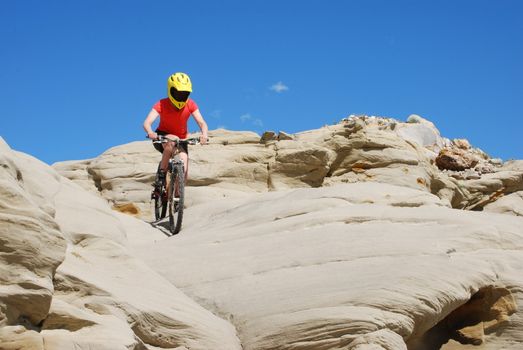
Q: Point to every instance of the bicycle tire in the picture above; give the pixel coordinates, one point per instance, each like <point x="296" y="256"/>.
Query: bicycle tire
<point x="160" y="205"/>
<point x="176" y="213"/>
<point x="160" y="197"/>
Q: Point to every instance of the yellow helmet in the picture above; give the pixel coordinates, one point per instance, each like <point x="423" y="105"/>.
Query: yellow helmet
<point x="178" y="89"/>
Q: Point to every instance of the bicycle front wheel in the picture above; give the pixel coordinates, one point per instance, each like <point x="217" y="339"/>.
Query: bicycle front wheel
<point x="176" y="198"/>
<point x="159" y="195"/>
<point x="160" y="204"/>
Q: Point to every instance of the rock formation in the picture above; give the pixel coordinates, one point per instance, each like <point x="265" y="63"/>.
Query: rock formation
<point x="358" y="149"/>
<point x="345" y="237"/>
<point x="69" y="280"/>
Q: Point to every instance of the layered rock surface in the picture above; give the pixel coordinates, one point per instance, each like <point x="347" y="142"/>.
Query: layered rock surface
<point x="358" y="149"/>
<point x="345" y="237"/>
<point x="364" y="266"/>
<point x="69" y="280"/>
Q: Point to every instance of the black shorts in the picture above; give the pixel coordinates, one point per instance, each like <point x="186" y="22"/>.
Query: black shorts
<point x="159" y="146"/>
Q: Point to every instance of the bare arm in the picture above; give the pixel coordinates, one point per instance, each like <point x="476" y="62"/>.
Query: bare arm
<point x="148" y="122"/>
<point x="202" y="124"/>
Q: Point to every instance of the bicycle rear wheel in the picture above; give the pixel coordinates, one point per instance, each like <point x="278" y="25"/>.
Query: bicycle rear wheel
<point x="176" y="203"/>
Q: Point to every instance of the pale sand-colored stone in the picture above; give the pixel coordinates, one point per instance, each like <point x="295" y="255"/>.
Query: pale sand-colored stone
<point x="124" y="174"/>
<point x="362" y="148"/>
<point x="20" y="338"/>
<point x="359" y="260"/>
<point x="511" y="204"/>
<point x="31" y="245"/>
<point x="77" y="170"/>
<point x="95" y="294"/>
<point x="513" y="165"/>
<point x="365" y="254"/>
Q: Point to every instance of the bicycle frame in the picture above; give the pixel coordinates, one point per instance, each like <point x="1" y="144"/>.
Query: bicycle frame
<point x="173" y="186"/>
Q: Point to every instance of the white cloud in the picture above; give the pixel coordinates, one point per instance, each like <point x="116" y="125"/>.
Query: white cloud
<point x="216" y="114"/>
<point x="279" y="87"/>
<point x="245" y="117"/>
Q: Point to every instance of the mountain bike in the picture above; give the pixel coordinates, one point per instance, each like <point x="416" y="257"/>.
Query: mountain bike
<point x="169" y="191"/>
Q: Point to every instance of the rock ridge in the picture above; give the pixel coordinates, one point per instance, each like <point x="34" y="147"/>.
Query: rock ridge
<point x="342" y="237"/>
<point x="358" y="149"/>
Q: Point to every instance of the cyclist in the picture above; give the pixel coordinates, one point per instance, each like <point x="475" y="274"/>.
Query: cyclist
<point x="174" y="112"/>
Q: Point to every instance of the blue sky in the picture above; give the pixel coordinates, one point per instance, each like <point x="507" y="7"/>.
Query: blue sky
<point x="79" y="77"/>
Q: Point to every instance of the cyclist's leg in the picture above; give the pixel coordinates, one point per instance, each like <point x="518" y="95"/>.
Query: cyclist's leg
<point x="160" y="147"/>
<point x="158" y="180"/>
<point x="166" y="155"/>
<point x="185" y="157"/>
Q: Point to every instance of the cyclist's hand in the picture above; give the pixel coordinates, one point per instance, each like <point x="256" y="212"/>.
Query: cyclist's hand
<point x="203" y="139"/>
<point x="152" y="135"/>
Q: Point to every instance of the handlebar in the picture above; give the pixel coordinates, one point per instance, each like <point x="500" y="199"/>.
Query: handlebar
<point x="188" y="141"/>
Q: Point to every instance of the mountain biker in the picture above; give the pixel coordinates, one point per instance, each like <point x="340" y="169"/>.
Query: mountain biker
<point x="174" y="112"/>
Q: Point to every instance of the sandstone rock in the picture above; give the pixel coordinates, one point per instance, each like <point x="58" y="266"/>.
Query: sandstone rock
<point x="345" y="261"/>
<point x="424" y="133"/>
<point x="510" y="204"/>
<point x="488" y="310"/>
<point x="103" y="305"/>
<point x="95" y="294"/>
<point x="360" y="148"/>
<point x="31" y="247"/>
<point x="491" y="187"/>
<point x="453" y="159"/>
<point x="383" y="156"/>
<point x="462" y="144"/>
<point x="416" y="119"/>
<point x="229" y="137"/>
<point x="242" y="167"/>
<point x="514" y="165"/>
<point x="282" y="135"/>
<point x="470" y="174"/>
<point x="128" y="208"/>
<point x="362" y="261"/>
<point x="484" y="168"/>
<point x="382" y="339"/>
<point x="297" y="164"/>
<point x="20" y="338"/>
<point x="78" y="171"/>
<point x="496" y="161"/>
<point x="268" y="136"/>
<point x="354" y="124"/>
<point x="124" y="174"/>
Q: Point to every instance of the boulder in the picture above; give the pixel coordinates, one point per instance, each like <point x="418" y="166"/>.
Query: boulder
<point x="297" y="164"/>
<point x="463" y="144"/>
<point x="455" y="159"/>
<point x="268" y="136"/>
<point x="422" y="132"/>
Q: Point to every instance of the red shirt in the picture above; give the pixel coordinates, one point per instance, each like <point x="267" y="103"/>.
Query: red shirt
<point x="172" y="119"/>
